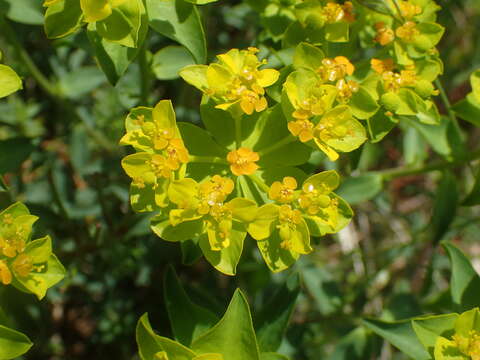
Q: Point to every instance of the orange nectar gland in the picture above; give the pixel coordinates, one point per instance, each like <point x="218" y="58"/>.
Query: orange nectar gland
<point x="381" y="66"/>
<point x="5" y="273"/>
<point x="313" y="201"/>
<point x="312" y="106"/>
<point x="408" y="31"/>
<point x="301" y="128"/>
<point x="284" y="191"/>
<point x="346" y="88"/>
<point x="334" y="12"/>
<point x="335" y="69"/>
<point x="393" y="81"/>
<point x="385" y="35"/>
<point x="242" y="161"/>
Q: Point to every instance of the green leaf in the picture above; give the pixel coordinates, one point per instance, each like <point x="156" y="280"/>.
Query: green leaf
<point x="225" y="260"/>
<point x="168" y="61"/>
<point x="401" y="335"/>
<point x="39" y="282"/>
<point x="127" y="25"/>
<point x="112" y="58"/>
<point x="475" y="81"/>
<point x="473" y="198"/>
<point x="13" y="152"/>
<point x="337" y="32"/>
<point x="272" y="356"/>
<point x="379" y="126"/>
<point x="13" y="343"/>
<point x="362" y="104"/>
<point x="308" y="56"/>
<point x="233" y="336"/>
<point x="150" y="343"/>
<point x="352" y="346"/>
<point x="77" y="83"/>
<point x="468" y="109"/>
<point x="23" y="11"/>
<point x="180" y="21"/>
<point x="357" y="189"/>
<point x="464" y="281"/>
<point x="181" y="232"/>
<point x="445" y="205"/>
<point x="435" y="135"/>
<point x="63" y="18"/>
<point x="9" y="81"/>
<point x="428" y="329"/>
<point x="272" y="321"/>
<point x="199" y="142"/>
<point x="201" y="2"/>
<point x="187" y="319"/>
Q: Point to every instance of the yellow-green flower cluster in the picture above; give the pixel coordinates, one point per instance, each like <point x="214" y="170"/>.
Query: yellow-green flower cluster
<point x="235" y="80"/>
<point x="93" y="10"/>
<point x="213" y="207"/>
<point x="27" y="264"/>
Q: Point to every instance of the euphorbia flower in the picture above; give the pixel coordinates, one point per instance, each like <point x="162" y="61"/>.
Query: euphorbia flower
<point x="301" y="128"/>
<point x="235" y="79"/>
<point x="154" y="133"/>
<point x="407" y="32"/>
<point x="335" y="69"/>
<point x="243" y="161"/>
<point x="93" y="10"/>
<point x="337" y="130"/>
<point x="283" y="192"/>
<point x="385" y="35"/>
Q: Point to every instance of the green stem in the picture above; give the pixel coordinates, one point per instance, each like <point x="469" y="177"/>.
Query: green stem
<point x="448" y="106"/>
<point x="259" y="182"/>
<point x="144" y="75"/>
<point x="238" y="131"/>
<point x="208" y="159"/>
<point x="439" y="165"/>
<point x="286" y="140"/>
<point x="399" y="11"/>
<point x="24" y="56"/>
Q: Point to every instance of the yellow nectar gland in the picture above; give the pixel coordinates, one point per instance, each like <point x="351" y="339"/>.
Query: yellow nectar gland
<point x="160" y="138"/>
<point x="246" y="85"/>
<point x="470" y="345"/>
<point x="381" y="66"/>
<point x="408" y="31"/>
<point x="23" y="265"/>
<point x="312" y="106"/>
<point x="242" y="161"/>
<point x="334" y="12"/>
<point x="5" y="273"/>
<point x="283" y="192"/>
<point x="301" y="128"/>
<point x="214" y="192"/>
<point x="335" y="69"/>
<point x="392" y="81"/>
<point x="409" y="10"/>
<point x="12" y="237"/>
<point x="346" y="88"/>
<point x="289" y="219"/>
<point x="313" y="201"/>
<point x="385" y="35"/>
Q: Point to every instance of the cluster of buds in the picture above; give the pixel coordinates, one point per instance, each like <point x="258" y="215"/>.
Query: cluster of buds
<point x="235" y="80"/>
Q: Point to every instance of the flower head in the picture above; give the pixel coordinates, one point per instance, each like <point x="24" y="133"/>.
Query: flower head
<point x="335" y="69"/>
<point x="235" y="79"/>
<point x="409" y="10"/>
<point x="333" y="12"/>
<point x="242" y="161"/>
<point x="301" y="128"/>
<point x="283" y="192"/>
<point x="381" y="66"/>
<point x="385" y="35"/>
<point x="407" y="32"/>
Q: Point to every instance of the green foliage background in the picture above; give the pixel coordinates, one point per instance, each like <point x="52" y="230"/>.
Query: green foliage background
<point x="66" y="139"/>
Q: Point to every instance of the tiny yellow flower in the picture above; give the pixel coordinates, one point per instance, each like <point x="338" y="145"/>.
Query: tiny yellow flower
<point x="407" y="32"/>
<point x="333" y="13"/>
<point x="283" y="192"/>
<point x="5" y="273"/>
<point x="301" y="128"/>
<point x="409" y="10"/>
<point x="242" y="161"/>
<point x="381" y="66"/>
<point x="346" y="88"/>
<point x="335" y="69"/>
<point x="392" y="81"/>
<point x="385" y="35"/>
<point x="22" y="265"/>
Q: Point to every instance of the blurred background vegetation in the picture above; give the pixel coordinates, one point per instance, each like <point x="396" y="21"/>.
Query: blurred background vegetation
<point x="384" y="264"/>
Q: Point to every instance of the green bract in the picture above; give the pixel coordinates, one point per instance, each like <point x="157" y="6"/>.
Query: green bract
<point x="9" y="80"/>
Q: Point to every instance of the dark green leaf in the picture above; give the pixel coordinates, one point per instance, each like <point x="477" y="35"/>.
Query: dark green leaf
<point x="360" y="188"/>
<point x="13" y="152"/>
<point x="445" y="205"/>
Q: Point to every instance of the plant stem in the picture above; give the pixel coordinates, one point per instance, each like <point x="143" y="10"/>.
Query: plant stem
<point x="238" y="131"/>
<point x="448" y="106"/>
<point x="208" y="159"/>
<point x="439" y="165"/>
<point x="24" y="56"/>
<point x="286" y="140"/>
<point x="259" y="182"/>
<point x="144" y="75"/>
